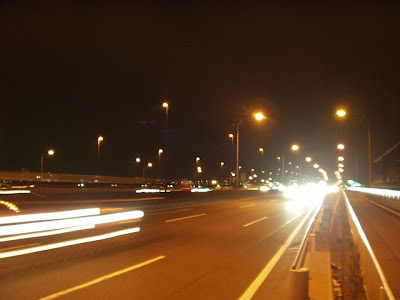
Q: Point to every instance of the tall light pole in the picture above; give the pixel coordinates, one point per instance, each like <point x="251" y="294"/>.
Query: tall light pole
<point x="99" y="140"/>
<point x="160" y="151"/>
<point x="341" y="113"/>
<point x="144" y="168"/>
<point x="222" y="167"/>
<point x="196" y="168"/>
<point x="166" y="106"/>
<point x="138" y="160"/>
<point x="258" y="116"/>
<point x="49" y="153"/>
<point x="262" y="153"/>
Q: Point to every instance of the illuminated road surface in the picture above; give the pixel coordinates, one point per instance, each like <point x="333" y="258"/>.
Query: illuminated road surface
<point x="382" y="229"/>
<point x="190" y="246"/>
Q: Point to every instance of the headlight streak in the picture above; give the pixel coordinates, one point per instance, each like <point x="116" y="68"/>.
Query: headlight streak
<point x="45" y="233"/>
<point x="147" y="191"/>
<point x="200" y="190"/>
<point x="58" y="224"/>
<point x="50" y="216"/>
<point x="10" y="206"/>
<point x="376" y="191"/>
<point x="68" y="243"/>
<point x="10" y="192"/>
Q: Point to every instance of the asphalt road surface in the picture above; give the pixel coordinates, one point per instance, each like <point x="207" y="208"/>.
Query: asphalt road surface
<point x="217" y="245"/>
<point x="382" y="229"/>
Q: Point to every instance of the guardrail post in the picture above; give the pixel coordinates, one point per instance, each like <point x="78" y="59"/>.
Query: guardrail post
<point x="299" y="284"/>
<point x="312" y="242"/>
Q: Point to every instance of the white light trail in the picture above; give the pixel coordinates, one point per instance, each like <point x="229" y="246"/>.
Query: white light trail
<point x="8" y="192"/>
<point x="50" y="216"/>
<point x="45" y="233"/>
<point x="68" y="243"/>
<point x="58" y="224"/>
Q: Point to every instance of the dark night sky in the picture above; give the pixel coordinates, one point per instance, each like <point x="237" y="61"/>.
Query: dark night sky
<point x="72" y="71"/>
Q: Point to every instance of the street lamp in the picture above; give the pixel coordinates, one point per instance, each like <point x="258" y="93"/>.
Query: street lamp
<point x="316" y="166"/>
<point x="166" y="106"/>
<point x="340" y="158"/>
<point x="340" y="147"/>
<point x="341" y="113"/>
<point x="99" y="140"/>
<point x="50" y="152"/>
<point x="308" y="159"/>
<point x="149" y="165"/>
<point x="258" y="116"/>
<point x="295" y="147"/>
<point x="222" y="166"/>
<point x="262" y="153"/>
<point x="160" y="151"/>
<point x="341" y="165"/>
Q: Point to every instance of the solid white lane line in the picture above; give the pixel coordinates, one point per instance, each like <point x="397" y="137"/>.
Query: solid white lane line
<point x="246" y="205"/>
<point x="251" y="223"/>
<point x="18" y="247"/>
<point x="184" y="218"/>
<point x="255" y="285"/>
<point x="100" y="279"/>
<point x="380" y="205"/>
<point x="67" y="243"/>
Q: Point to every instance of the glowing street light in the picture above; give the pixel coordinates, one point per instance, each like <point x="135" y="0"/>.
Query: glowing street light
<point x="222" y="167"/>
<point x="199" y="170"/>
<point x="150" y="165"/>
<point x="295" y="147"/>
<point x="341" y="165"/>
<point x="166" y="106"/>
<point x="308" y="159"/>
<point x="341" y="170"/>
<point x="262" y="152"/>
<point x="50" y="152"/>
<point x="341" y="113"/>
<point x="99" y="140"/>
<point x="340" y="158"/>
<point x="340" y="147"/>
<point x="316" y="166"/>
<point x="138" y="160"/>
<point x="258" y="116"/>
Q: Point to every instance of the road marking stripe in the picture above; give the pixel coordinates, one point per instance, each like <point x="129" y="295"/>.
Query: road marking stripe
<point x="246" y="205"/>
<point x="169" y="212"/>
<point x="184" y="218"/>
<point x="100" y="279"/>
<point x="17" y="247"/>
<point x="251" y="223"/>
<point x="255" y="285"/>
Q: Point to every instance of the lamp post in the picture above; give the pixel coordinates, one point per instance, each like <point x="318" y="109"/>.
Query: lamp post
<point x="222" y="167"/>
<point x="160" y="151"/>
<point x="341" y="113"/>
<point x="149" y="165"/>
<point x="258" y="116"/>
<point x="49" y="153"/>
<point x="166" y="106"/>
<point x="262" y="153"/>
<point x="99" y="140"/>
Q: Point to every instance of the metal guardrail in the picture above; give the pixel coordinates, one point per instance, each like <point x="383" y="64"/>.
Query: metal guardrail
<point x="299" y="276"/>
<point x="374" y="279"/>
<point x="386" y="197"/>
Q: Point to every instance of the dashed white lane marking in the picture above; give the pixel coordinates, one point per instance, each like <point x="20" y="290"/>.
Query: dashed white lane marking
<point x="100" y="279"/>
<point x="255" y="285"/>
<point x="251" y="223"/>
<point x="184" y="218"/>
<point x="248" y="205"/>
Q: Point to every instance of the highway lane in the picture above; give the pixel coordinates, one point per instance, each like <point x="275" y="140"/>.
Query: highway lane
<point x="196" y="246"/>
<point x="382" y="230"/>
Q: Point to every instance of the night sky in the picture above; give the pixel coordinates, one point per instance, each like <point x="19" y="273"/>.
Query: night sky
<point x="73" y="71"/>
